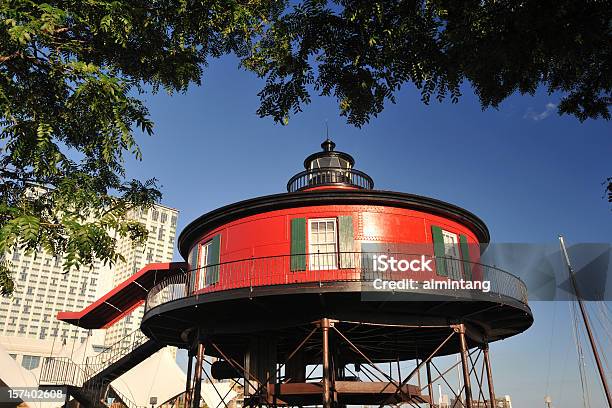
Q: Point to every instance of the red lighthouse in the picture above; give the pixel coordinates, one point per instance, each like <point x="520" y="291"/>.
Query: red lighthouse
<point x="333" y="293"/>
<point x="265" y="272"/>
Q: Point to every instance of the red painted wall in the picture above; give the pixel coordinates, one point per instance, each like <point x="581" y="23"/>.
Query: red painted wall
<point x="268" y="234"/>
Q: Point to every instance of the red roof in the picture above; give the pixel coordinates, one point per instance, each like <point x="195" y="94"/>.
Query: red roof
<point x="122" y="299"/>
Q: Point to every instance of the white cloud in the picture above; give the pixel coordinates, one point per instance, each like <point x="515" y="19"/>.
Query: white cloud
<point x="548" y="109"/>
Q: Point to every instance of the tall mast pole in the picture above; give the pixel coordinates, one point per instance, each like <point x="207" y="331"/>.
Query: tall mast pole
<point x="587" y="325"/>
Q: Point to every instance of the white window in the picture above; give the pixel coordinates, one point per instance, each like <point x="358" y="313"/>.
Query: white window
<point x="451" y="252"/>
<point x="323" y="243"/>
<point x="30" y="362"/>
<point x="326" y="162"/>
<point x="203" y="263"/>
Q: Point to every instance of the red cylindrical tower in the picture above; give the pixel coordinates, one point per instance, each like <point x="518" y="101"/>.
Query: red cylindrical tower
<point x="336" y="274"/>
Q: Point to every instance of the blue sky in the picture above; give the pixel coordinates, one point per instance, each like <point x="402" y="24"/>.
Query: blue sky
<point x="528" y="173"/>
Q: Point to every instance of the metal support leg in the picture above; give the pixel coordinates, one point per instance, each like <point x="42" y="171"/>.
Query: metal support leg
<point x="487" y="360"/>
<point x="326" y="376"/>
<point x="197" y="377"/>
<point x="430" y="385"/>
<point x="464" y="363"/>
<point x="188" y="381"/>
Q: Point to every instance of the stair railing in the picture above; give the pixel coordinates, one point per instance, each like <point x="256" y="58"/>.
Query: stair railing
<point x="115" y="352"/>
<point x="62" y="370"/>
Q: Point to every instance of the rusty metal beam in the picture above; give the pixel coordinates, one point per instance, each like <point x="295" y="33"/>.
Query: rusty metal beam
<point x="327" y="399"/>
<point x="441" y="376"/>
<point x="197" y="377"/>
<point x="433" y="353"/>
<point x="478" y="380"/>
<point x="487" y="362"/>
<point x="263" y="386"/>
<point x="188" y="379"/>
<point x="429" y="384"/>
<point x="236" y="365"/>
<point x="464" y="364"/>
<point x="216" y="390"/>
<point x="356" y="349"/>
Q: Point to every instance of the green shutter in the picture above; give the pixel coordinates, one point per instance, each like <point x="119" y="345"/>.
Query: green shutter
<point x="465" y="255"/>
<point x="193" y="266"/>
<point x="438" y="244"/>
<point x="346" y="241"/>
<point x="298" y="244"/>
<point x="193" y="257"/>
<point x="212" y="272"/>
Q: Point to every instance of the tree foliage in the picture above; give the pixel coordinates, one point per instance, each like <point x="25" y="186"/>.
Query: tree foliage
<point x="72" y="71"/>
<point x="70" y="76"/>
<point x="362" y="52"/>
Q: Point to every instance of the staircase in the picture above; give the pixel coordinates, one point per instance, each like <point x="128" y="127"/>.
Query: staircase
<point x="89" y="383"/>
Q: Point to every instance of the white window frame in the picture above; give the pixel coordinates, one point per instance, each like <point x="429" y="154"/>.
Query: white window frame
<point x="329" y="260"/>
<point x="203" y="263"/>
<point x="452" y="255"/>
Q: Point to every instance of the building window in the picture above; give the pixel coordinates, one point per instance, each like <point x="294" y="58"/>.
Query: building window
<point x="323" y="243"/>
<point x="446" y="249"/>
<point x="164" y="217"/>
<point x="208" y="262"/>
<point x="154" y="215"/>
<point x="203" y="258"/>
<point x="30" y="362"/>
<point x="173" y="221"/>
<point x="451" y="251"/>
<point x="16" y="255"/>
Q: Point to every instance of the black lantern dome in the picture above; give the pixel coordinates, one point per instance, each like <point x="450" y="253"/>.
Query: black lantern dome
<point x="329" y="169"/>
<point x="328" y="158"/>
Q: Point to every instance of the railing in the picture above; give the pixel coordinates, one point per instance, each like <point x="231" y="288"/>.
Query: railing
<point x="116" y="351"/>
<point x="62" y="370"/>
<point x="324" y="267"/>
<point x="326" y="176"/>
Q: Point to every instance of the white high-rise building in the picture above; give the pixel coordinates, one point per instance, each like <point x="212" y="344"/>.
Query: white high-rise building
<point x="29" y="330"/>
<point x="161" y="223"/>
